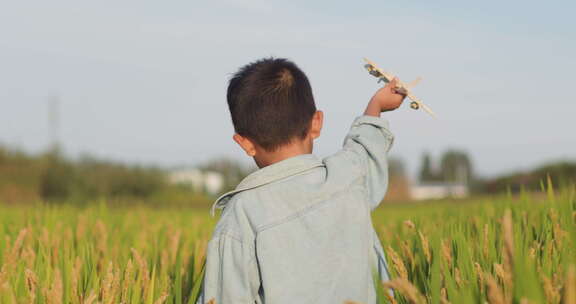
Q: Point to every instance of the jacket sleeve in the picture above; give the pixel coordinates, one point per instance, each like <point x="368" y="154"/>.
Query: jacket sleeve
<point x="370" y="140"/>
<point x="231" y="274"/>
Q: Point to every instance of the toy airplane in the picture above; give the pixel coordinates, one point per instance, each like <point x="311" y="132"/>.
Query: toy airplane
<point x="403" y="87"/>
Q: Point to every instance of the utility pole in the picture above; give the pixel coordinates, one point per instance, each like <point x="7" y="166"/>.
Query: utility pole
<point x="54" y="122"/>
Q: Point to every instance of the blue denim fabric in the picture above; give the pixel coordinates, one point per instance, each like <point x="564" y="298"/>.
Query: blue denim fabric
<point x="300" y="231"/>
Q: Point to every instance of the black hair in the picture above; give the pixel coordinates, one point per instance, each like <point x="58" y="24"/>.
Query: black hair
<point x="271" y="102"/>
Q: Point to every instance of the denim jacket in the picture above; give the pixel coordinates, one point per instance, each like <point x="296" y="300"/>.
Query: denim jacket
<point x="300" y="231"/>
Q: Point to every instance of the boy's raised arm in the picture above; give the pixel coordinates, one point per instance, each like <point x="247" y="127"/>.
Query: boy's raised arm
<point x="388" y="98"/>
<point x="370" y="139"/>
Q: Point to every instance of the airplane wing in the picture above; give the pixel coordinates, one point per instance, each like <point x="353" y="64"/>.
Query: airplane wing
<point x="383" y="75"/>
<point x="427" y="109"/>
<point x="413" y="83"/>
<point x="422" y="105"/>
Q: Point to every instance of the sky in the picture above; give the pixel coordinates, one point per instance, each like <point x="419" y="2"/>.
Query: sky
<point x="145" y="81"/>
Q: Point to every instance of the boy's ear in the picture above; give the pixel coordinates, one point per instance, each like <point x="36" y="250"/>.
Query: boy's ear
<point x="246" y="144"/>
<point x="316" y="124"/>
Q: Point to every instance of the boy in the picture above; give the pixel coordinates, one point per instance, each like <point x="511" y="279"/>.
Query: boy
<point x="298" y="230"/>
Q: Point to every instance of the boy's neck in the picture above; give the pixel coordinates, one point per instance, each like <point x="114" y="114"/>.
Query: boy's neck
<point x="264" y="158"/>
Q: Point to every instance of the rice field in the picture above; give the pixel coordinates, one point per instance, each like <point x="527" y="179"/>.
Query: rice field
<point x="509" y="249"/>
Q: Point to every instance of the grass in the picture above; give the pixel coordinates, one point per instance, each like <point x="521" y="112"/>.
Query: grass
<point x="500" y="250"/>
<point x="100" y="255"/>
<point x="503" y="250"/>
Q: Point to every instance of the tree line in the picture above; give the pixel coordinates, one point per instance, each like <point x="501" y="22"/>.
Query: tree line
<point x="51" y="177"/>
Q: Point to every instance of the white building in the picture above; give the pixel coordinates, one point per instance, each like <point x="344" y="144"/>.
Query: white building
<point x="438" y="190"/>
<point x="199" y="181"/>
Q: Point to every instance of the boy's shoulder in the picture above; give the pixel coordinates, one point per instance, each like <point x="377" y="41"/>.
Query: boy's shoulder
<point x="296" y="176"/>
<point x="272" y="195"/>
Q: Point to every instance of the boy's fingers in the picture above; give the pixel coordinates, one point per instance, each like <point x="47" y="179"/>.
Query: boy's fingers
<point x="393" y="83"/>
<point x="400" y="91"/>
<point x="395" y="89"/>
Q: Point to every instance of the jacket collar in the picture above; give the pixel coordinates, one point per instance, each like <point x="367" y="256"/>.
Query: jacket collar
<point x="282" y="169"/>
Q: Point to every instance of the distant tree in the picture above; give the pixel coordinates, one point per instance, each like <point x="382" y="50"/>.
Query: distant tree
<point x="396" y="167"/>
<point x="456" y="166"/>
<point x="98" y="178"/>
<point x="398" y="186"/>
<point x="561" y="174"/>
<point x="52" y="177"/>
<point x="19" y="176"/>
<point x="427" y="173"/>
<point x="57" y="179"/>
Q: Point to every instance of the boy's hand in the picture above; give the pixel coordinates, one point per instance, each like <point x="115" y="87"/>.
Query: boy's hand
<point x="389" y="97"/>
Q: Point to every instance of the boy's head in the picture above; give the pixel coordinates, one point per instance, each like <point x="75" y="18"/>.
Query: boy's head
<point x="273" y="108"/>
